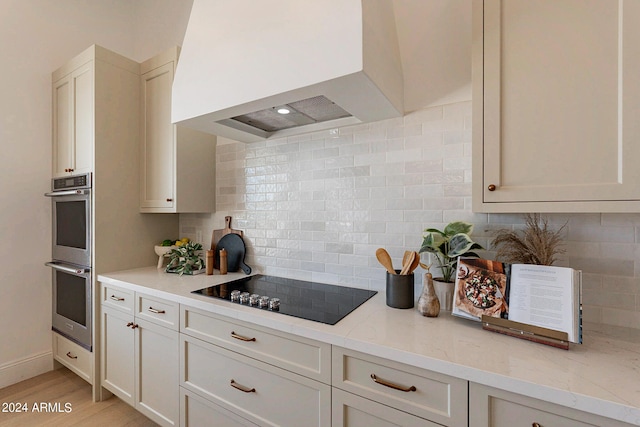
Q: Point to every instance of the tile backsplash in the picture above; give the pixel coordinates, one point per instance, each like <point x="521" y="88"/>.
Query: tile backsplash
<point x="317" y="206"/>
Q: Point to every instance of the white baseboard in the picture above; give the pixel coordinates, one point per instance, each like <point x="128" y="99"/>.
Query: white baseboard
<point x="20" y="370"/>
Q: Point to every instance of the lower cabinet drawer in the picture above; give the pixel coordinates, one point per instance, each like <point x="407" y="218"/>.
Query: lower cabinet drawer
<point x="157" y="310"/>
<point x="426" y="394"/>
<point x="491" y="407"/>
<point x="116" y="297"/>
<point x="252" y="389"/>
<point x="196" y="411"/>
<point x="293" y="353"/>
<point x="350" y="410"/>
<point x="74" y="357"/>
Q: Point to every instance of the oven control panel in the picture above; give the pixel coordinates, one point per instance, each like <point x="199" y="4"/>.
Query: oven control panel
<point x="71" y="182"/>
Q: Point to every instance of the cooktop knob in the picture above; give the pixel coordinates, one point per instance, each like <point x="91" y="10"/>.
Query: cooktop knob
<point x="235" y="296"/>
<point x="274" y="304"/>
<point x="244" y="298"/>
<point x="253" y="299"/>
<point x="263" y="301"/>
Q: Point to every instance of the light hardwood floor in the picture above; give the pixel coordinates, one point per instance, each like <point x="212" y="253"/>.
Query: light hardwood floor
<point x="57" y="388"/>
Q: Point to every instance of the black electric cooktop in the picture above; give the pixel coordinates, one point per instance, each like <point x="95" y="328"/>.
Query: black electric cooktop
<point x="307" y="300"/>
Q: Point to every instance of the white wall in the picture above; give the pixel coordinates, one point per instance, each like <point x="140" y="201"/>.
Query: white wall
<point x="36" y="37"/>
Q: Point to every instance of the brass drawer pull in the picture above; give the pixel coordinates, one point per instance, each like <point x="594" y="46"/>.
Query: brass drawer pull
<point x="153" y="310"/>
<point x="242" y="388"/>
<point x="115" y="298"/>
<point x="240" y="337"/>
<point x="392" y="385"/>
<point x="70" y="356"/>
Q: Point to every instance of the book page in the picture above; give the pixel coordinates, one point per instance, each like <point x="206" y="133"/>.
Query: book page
<point x="542" y="296"/>
<point x="480" y="288"/>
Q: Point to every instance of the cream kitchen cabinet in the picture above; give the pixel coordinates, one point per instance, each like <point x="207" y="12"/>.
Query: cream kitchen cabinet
<point x="73" y="356"/>
<point x="96" y="128"/>
<point x="252" y="374"/>
<point x="350" y="410"/>
<point x="373" y="384"/>
<point x="73" y="112"/>
<point x="197" y="411"/>
<point x="491" y="407"/>
<point x="177" y="163"/>
<point x="139" y="360"/>
<point x="92" y="95"/>
<point x="555" y="106"/>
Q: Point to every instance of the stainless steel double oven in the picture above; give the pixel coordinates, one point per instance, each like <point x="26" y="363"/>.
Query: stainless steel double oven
<point x="71" y="257"/>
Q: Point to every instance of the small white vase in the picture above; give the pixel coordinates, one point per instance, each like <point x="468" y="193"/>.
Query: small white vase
<point x="444" y="291"/>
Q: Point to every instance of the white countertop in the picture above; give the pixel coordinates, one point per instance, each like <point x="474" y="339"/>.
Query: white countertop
<point x="601" y="376"/>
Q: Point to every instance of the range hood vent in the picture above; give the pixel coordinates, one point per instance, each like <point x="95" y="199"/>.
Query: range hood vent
<point x="330" y="63"/>
<point x="300" y="113"/>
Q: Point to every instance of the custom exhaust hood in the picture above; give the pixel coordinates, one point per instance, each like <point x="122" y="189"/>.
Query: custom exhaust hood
<point x="250" y="70"/>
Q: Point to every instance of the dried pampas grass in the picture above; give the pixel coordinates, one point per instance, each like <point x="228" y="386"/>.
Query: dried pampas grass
<point x="536" y="244"/>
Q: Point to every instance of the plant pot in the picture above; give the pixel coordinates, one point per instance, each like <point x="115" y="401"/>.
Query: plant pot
<point x="444" y="291"/>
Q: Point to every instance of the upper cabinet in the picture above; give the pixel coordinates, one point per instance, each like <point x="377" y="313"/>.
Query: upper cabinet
<point x="556" y="99"/>
<point x="73" y="118"/>
<point x="177" y="164"/>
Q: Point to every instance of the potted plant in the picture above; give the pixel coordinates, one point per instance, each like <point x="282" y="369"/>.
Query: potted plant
<point x="186" y="259"/>
<point x="444" y="248"/>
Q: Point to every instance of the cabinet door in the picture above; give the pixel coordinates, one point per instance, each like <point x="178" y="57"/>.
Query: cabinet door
<point x="73" y="122"/>
<point x="555" y="105"/>
<point x="158" y="139"/>
<point x="83" y="118"/>
<point x="62" y="126"/>
<point x="157" y="365"/>
<point x="118" y="354"/>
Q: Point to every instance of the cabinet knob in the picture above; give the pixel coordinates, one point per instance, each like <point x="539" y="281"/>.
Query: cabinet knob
<point x="169" y="200"/>
<point x="491" y="187"/>
<point x="536" y="425"/>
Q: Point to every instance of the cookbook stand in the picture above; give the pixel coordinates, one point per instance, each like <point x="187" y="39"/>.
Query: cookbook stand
<point x="526" y="332"/>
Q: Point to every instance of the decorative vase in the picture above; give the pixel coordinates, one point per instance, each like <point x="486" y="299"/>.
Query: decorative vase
<point x="444" y="292"/>
<point x="428" y="303"/>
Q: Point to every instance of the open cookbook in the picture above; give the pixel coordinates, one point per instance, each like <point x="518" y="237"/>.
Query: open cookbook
<point x="538" y="295"/>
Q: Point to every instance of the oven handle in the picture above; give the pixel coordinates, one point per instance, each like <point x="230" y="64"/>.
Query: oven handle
<point x="67" y="193"/>
<point x="67" y="269"/>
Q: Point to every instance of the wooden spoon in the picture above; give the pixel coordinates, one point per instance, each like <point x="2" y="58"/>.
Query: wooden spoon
<point x="385" y="259"/>
<point x="415" y="263"/>
<point x="410" y="260"/>
<point x="405" y="257"/>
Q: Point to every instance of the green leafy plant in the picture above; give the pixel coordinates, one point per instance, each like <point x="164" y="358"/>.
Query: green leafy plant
<point x="185" y="259"/>
<point x="447" y="245"/>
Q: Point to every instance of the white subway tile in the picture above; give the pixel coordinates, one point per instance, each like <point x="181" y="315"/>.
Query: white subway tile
<point x="317" y="207"/>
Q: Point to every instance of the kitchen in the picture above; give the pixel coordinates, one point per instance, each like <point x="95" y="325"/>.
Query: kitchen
<point x="432" y="143"/>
